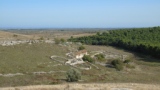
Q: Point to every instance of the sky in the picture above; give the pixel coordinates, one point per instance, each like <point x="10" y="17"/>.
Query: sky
<point x="79" y="13"/>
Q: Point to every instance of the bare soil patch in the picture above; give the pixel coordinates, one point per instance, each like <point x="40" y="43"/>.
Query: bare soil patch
<point x="91" y="86"/>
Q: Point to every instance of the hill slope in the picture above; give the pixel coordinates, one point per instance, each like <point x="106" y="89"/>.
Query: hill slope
<point x="13" y="36"/>
<point x="142" y="40"/>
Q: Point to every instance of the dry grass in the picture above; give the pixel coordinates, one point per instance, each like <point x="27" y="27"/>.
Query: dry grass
<point x="46" y="34"/>
<point x="91" y="86"/>
<point x="36" y="58"/>
<point x="25" y="58"/>
<point x="14" y="36"/>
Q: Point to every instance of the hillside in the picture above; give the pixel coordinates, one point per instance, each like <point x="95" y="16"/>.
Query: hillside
<point x="31" y="64"/>
<point x="141" y="40"/>
<point x="4" y="35"/>
<point x="26" y="64"/>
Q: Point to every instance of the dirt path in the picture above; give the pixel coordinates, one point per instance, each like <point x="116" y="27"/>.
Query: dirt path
<point x="91" y="86"/>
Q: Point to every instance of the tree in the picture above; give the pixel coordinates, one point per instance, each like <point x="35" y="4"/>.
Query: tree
<point x="141" y="40"/>
<point x="98" y="33"/>
<point x="73" y="75"/>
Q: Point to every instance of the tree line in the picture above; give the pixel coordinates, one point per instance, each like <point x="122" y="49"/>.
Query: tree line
<point x="142" y="40"/>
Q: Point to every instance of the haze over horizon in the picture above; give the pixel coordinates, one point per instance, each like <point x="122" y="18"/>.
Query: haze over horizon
<point x="79" y="13"/>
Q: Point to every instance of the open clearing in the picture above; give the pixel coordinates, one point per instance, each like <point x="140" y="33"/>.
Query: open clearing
<point x="30" y="64"/>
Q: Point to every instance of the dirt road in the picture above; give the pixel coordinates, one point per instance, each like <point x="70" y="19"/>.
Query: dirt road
<point x="91" y="86"/>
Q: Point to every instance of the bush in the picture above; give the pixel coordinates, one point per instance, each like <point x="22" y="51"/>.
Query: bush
<point x="127" y="61"/>
<point x="57" y="41"/>
<point x="114" y="62"/>
<point x="15" y="35"/>
<point x="62" y="40"/>
<point x="41" y="38"/>
<point x="87" y="58"/>
<point x="100" y="57"/>
<point x="119" y="67"/>
<point x="118" y="64"/>
<point x="81" y="48"/>
<point x="73" y="75"/>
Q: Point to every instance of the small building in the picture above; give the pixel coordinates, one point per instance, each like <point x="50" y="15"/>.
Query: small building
<point x="80" y="54"/>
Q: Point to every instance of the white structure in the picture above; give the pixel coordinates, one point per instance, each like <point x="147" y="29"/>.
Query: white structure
<point x="80" y="54"/>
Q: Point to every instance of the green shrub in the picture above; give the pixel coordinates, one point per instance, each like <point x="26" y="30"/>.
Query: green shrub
<point x="87" y="58"/>
<point x="62" y="40"/>
<point x="41" y="38"/>
<point x="15" y="35"/>
<point x="73" y="75"/>
<point x="81" y="48"/>
<point x="118" y="64"/>
<point x="127" y="61"/>
<point x="57" y="41"/>
<point x="100" y="57"/>
<point x="119" y="67"/>
<point x="114" y="62"/>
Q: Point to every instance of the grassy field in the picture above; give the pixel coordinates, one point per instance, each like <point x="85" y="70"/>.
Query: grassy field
<point x="29" y="59"/>
<point x="34" y="62"/>
<point x="15" y="36"/>
<point x="49" y="34"/>
<point x="25" y="64"/>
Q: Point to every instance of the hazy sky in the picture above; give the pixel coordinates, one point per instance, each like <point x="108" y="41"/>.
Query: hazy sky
<point x="79" y="13"/>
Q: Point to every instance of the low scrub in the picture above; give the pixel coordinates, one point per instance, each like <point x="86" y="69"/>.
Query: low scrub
<point x="127" y="61"/>
<point x="118" y="64"/>
<point x="100" y="57"/>
<point x="73" y="75"/>
<point x="87" y="58"/>
<point x="81" y="48"/>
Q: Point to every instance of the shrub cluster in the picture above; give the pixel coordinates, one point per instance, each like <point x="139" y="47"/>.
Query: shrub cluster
<point x="100" y="57"/>
<point x="73" y="75"/>
<point x="127" y="61"/>
<point x="87" y="58"/>
<point x="118" y="64"/>
<point x="81" y="48"/>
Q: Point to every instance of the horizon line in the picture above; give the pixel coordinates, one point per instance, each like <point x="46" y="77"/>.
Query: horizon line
<point x="6" y="28"/>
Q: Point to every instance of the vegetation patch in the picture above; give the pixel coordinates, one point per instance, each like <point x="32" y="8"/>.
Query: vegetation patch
<point x="73" y="75"/>
<point x="118" y="64"/>
<point x="81" y="48"/>
<point x="88" y="58"/>
<point x="33" y="61"/>
<point x="100" y="57"/>
<point x="141" y="40"/>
